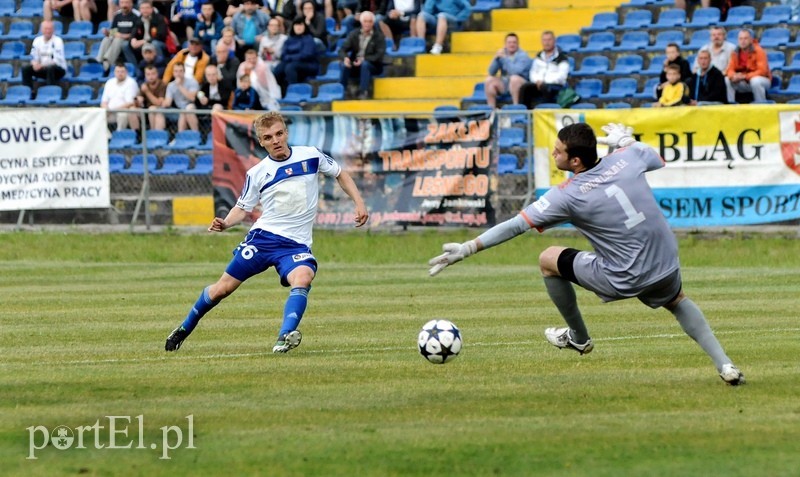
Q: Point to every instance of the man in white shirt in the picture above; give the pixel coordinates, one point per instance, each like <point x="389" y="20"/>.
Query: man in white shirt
<point x="47" y="58"/>
<point x="720" y="49"/>
<point x="548" y="74"/>
<point x="120" y="93"/>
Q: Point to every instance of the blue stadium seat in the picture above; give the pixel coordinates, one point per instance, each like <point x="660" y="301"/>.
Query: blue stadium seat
<point x="776" y="59"/>
<point x="632" y="41"/>
<point x="58" y="28"/>
<point x="155" y="139"/>
<point x="19" y="30"/>
<point x="78" y="30"/>
<point x="8" y="8"/>
<point x="297" y="93"/>
<point x="636" y="19"/>
<point x="794" y="63"/>
<point x="583" y="105"/>
<point x="478" y="94"/>
<point x="98" y="34"/>
<point x="547" y="106"/>
<point x="173" y="164"/>
<point x="774" y="37"/>
<point x="408" y="46"/>
<point x="330" y="26"/>
<point x="90" y="72"/>
<point x="203" y="165"/>
<point x="486" y="5"/>
<point x="603" y="21"/>
<point x="74" y="50"/>
<point x="774" y="15"/>
<point x="7" y="74"/>
<point x="793" y="88"/>
<point x="598" y="42"/>
<point x="627" y="65"/>
<point x="46" y="95"/>
<point x="511" y="137"/>
<point x="332" y="72"/>
<point x="704" y="17"/>
<point x="335" y="46"/>
<point x="479" y="107"/>
<point x="507" y="164"/>
<point x="671" y="18"/>
<point x="664" y="38"/>
<point x="30" y="8"/>
<point x="209" y="142"/>
<point x="94" y="49"/>
<point x="733" y="35"/>
<point x="187" y="139"/>
<point x="116" y="163"/>
<point x="648" y="91"/>
<point x="122" y="139"/>
<point x="568" y="42"/>
<point x="620" y="88"/>
<point x="13" y="50"/>
<point x="593" y="65"/>
<point x="618" y="105"/>
<point x="136" y="166"/>
<point x="521" y="118"/>
<point x="655" y="66"/>
<point x="16" y="95"/>
<point x="79" y="95"/>
<point x="699" y="39"/>
<point x="328" y="92"/>
<point x="740" y="16"/>
<point x="589" y="88"/>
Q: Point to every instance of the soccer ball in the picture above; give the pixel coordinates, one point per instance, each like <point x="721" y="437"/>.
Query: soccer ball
<point x="439" y="341"/>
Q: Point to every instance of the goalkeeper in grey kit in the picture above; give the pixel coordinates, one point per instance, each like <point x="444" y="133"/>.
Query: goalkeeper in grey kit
<point x="635" y="252"/>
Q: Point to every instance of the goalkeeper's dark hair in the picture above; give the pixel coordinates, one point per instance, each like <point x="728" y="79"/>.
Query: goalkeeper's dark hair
<point x="580" y="142"/>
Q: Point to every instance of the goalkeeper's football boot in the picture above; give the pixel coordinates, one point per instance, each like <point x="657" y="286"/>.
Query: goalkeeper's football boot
<point x="287" y="341"/>
<point x="560" y="338"/>
<point x="175" y="339"/>
<point x="731" y="375"/>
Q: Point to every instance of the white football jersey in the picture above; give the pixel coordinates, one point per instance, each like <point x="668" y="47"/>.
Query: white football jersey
<point x="288" y="192"/>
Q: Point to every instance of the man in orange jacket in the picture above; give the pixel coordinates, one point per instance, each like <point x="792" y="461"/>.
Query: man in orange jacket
<point x="748" y="69"/>
<point x="194" y="60"/>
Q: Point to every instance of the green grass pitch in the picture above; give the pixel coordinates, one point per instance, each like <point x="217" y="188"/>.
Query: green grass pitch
<point x="83" y="320"/>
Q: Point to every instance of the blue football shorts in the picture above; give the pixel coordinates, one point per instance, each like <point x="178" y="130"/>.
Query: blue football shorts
<point x="261" y="249"/>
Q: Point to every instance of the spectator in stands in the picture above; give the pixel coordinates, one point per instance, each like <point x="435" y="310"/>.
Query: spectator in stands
<point x="213" y="94"/>
<point x="673" y="57"/>
<point x="183" y="18"/>
<point x="271" y="45"/>
<point x="675" y="92"/>
<point x="261" y="79"/>
<point x="377" y="7"/>
<point x="362" y="55"/>
<point x="150" y="57"/>
<point x="548" y="74"/>
<point x="720" y="49"/>
<point x="117" y="38"/>
<point x="120" y="93"/>
<point x="401" y="17"/>
<point x="228" y="39"/>
<point x="707" y="84"/>
<point x="444" y="16"/>
<point x="193" y="60"/>
<point x="151" y="96"/>
<point x="514" y="66"/>
<point x="47" y="57"/>
<point x="227" y="64"/>
<point x="181" y="93"/>
<point x="78" y="10"/>
<point x="152" y="29"/>
<point x="299" y="60"/>
<point x="245" y="98"/>
<point x="248" y="27"/>
<point x="209" y="27"/>
<point x="315" y="24"/>
<point x="748" y="70"/>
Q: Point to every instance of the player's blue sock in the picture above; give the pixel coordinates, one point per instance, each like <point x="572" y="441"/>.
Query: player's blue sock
<point x="294" y="309"/>
<point x="200" y="308"/>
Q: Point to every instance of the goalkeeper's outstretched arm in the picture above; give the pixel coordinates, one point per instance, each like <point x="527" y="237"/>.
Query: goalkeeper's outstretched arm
<point x="455" y="252"/>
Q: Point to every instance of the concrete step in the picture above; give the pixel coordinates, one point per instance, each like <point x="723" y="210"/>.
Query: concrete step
<point x="456" y="64"/>
<point x="598" y="4"/>
<point x="426" y="88"/>
<point x="394" y="106"/>
<point x="560" y="21"/>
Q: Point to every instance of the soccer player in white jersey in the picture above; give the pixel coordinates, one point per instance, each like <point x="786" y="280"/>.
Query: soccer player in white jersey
<point x="286" y="185"/>
<point x="635" y="252"/>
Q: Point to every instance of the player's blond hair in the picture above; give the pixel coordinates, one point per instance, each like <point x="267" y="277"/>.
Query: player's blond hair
<point x="268" y="119"/>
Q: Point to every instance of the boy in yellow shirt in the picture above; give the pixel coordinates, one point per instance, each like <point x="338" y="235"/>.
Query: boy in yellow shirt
<point x="674" y="92"/>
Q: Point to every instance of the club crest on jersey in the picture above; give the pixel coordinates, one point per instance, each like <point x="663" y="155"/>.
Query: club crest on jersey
<point x="300" y="257"/>
<point x="288" y="171"/>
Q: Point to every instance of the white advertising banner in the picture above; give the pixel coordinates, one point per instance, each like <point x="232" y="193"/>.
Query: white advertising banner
<point x="53" y="159"/>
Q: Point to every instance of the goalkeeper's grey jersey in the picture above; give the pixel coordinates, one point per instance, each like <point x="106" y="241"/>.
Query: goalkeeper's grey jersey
<point x="613" y="206"/>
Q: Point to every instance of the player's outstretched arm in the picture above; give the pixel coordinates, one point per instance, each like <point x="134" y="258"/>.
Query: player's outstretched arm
<point x="349" y="187"/>
<point x="234" y="217"/>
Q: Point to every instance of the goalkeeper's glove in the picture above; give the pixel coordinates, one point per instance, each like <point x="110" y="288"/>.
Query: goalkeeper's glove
<point x="453" y="252"/>
<point x="617" y="135"/>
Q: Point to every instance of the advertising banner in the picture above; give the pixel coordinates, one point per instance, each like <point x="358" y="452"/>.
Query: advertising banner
<point x="725" y="166"/>
<point x="411" y="171"/>
<point x="53" y="159"/>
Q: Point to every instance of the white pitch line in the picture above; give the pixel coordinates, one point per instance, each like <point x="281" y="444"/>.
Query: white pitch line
<point x="363" y="350"/>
